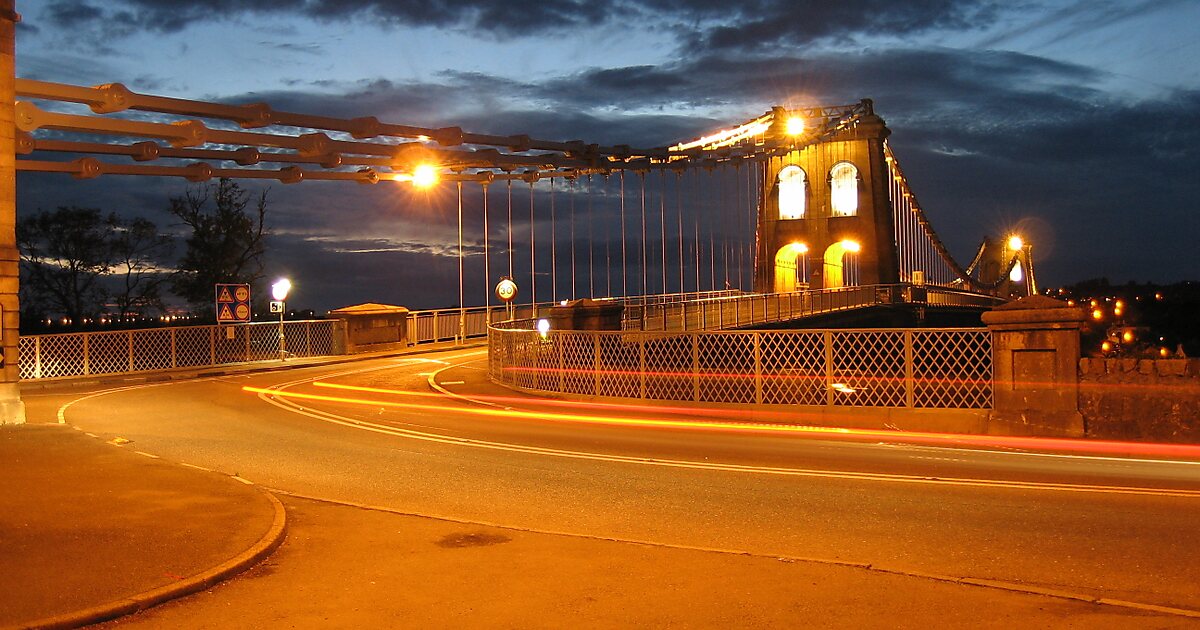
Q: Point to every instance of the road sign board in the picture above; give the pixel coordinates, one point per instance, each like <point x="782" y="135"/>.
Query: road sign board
<point x="276" y="306"/>
<point x="506" y="290"/>
<point x="233" y="303"/>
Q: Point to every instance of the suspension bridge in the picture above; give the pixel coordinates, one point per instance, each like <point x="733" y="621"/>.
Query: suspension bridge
<point x="791" y="200"/>
<point x="792" y="214"/>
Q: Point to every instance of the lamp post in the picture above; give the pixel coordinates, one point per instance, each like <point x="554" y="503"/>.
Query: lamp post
<point x="462" y="308"/>
<point x="279" y="292"/>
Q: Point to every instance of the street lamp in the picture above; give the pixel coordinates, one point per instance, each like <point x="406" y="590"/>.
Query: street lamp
<point x="279" y="292"/>
<point x="462" y="307"/>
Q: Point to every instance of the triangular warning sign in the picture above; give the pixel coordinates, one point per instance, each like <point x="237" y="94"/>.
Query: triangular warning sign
<point x="225" y="295"/>
<point x="225" y="313"/>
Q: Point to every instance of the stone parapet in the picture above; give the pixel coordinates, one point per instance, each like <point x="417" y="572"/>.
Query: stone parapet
<point x="1154" y="400"/>
<point x="1035" y="354"/>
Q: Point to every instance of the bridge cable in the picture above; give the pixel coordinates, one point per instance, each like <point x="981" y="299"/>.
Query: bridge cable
<point x="679" y="220"/>
<point x="532" y="253"/>
<point x="712" y="240"/>
<point x="662" y="225"/>
<point x="574" y="184"/>
<point x="510" y="247"/>
<point x="461" y="301"/>
<point x="696" y="224"/>
<point x="553" y="249"/>
<point x="591" y="239"/>
<point x="642" y="177"/>
<point x="608" y="240"/>
<point x="624" y="289"/>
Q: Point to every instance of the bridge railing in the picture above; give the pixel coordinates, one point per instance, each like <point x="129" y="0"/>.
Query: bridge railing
<point x="913" y="368"/>
<point x="442" y="324"/>
<point x="123" y="351"/>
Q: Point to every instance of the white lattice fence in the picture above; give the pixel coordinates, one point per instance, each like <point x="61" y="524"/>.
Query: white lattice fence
<point x="126" y="351"/>
<point x="920" y="368"/>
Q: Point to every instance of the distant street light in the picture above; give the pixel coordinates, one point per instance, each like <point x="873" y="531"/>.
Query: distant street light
<point x="279" y="292"/>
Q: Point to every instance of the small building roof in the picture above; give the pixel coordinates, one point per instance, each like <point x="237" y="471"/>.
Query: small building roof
<point x="368" y="308"/>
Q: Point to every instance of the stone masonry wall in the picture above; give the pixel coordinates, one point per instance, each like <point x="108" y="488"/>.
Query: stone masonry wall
<point x="1154" y="400"/>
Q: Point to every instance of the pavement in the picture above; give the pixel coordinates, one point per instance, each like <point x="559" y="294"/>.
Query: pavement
<point x="95" y="530"/>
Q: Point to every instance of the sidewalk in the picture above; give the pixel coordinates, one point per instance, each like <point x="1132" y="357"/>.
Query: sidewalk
<point x="90" y="531"/>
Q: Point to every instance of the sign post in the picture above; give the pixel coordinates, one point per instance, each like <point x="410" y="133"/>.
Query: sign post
<point x="506" y="290"/>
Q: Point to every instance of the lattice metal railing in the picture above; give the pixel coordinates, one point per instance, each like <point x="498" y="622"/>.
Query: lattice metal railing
<point x="115" y="352"/>
<point x="905" y="368"/>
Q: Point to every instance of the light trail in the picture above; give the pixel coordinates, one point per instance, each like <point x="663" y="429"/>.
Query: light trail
<point x="281" y="398"/>
<point x="1058" y="445"/>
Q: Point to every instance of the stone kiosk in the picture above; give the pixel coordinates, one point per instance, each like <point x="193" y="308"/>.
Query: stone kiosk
<point x="1035" y="358"/>
<point x="372" y="327"/>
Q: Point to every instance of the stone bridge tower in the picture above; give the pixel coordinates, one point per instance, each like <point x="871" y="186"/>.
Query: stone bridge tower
<point x="825" y="219"/>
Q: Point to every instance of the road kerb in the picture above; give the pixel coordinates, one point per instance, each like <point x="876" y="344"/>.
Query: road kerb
<point x="257" y="552"/>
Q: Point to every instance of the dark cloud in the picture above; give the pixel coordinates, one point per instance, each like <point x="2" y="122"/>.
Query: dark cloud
<point x="747" y="24"/>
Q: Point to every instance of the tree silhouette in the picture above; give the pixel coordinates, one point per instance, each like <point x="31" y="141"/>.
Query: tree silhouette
<point x="64" y="253"/>
<point x="226" y="242"/>
<point x="137" y="251"/>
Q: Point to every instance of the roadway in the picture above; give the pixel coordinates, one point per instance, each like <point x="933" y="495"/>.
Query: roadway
<point x="374" y="433"/>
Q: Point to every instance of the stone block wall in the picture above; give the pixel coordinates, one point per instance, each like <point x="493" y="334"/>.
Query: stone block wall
<point x="1153" y="400"/>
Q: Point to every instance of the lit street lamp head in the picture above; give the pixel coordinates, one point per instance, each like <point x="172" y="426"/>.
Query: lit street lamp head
<point x="795" y="126"/>
<point x="424" y="176"/>
<point x="279" y="290"/>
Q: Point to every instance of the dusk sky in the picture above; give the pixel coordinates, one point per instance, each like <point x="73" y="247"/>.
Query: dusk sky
<point x="1078" y="121"/>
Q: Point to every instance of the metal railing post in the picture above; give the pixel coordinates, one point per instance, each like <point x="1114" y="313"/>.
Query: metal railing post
<point x="758" y="384"/>
<point x="696" y="367"/>
<point x="212" y="344"/>
<point x="562" y="378"/>
<point x="596" y="361"/>
<point x="129" y="348"/>
<point x="37" y="357"/>
<point x="829" y="393"/>
<point x="174" y="348"/>
<point x="908" y="369"/>
<point x="642" y="367"/>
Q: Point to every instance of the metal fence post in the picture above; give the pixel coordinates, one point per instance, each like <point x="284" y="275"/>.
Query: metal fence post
<point x="86" y="358"/>
<point x="829" y="393"/>
<point x="558" y="347"/>
<point x="174" y="349"/>
<point x="596" y="344"/>
<point x="129" y="348"/>
<point x="908" y="369"/>
<point x="695" y="367"/>
<point x="249" y="348"/>
<point x="37" y="357"/>
<point x="758" y="384"/>
<point x="642" y="366"/>
<point x="212" y="344"/>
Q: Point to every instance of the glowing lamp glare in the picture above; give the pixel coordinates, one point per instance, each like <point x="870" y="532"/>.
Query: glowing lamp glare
<point x="424" y="176"/>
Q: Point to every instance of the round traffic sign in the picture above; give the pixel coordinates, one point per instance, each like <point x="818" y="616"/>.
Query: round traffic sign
<point x="506" y="289"/>
<point x="242" y="311"/>
<point x="242" y="294"/>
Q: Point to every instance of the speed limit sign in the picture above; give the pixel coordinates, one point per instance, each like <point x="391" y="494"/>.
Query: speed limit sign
<point x="506" y="290"/>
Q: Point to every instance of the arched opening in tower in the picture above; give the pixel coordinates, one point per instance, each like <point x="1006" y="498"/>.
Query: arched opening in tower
<point x="791" y="268"/>
<point x="841" y="265"/>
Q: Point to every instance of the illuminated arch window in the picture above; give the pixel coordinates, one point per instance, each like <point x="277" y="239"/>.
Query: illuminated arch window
<point x="843" y="190"/>
<point x="792" y="193"/>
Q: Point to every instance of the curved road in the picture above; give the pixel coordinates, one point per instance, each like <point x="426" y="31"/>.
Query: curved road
<point x="374" y="433"/>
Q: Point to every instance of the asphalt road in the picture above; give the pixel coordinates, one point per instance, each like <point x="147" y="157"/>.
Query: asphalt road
<point x="1099" y="525"/>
